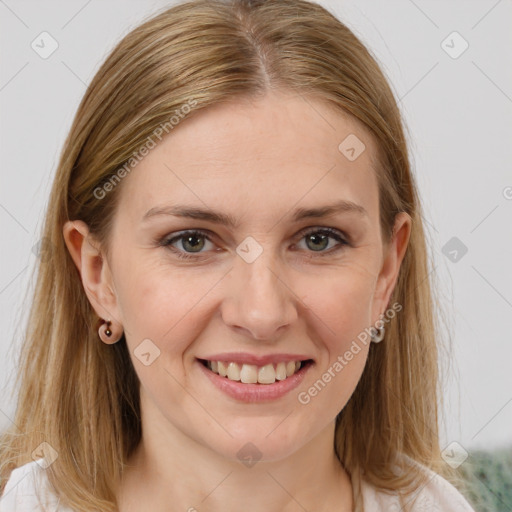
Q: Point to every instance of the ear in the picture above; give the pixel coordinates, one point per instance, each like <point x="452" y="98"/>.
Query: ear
<point x="394" y="252"/>
<point x="93" y="268"/>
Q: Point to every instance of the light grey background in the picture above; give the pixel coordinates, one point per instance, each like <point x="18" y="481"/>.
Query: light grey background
<point x="458" y="112"/>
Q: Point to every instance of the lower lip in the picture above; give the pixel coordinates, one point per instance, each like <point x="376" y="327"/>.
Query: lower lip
<point x="255" y="392"/>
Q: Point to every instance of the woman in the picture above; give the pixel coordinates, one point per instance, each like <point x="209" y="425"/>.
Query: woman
<point x="236" y="310"/>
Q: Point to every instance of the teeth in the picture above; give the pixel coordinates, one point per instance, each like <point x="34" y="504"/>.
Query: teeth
<point x="267" y="374"/>
<point x="222" y="369"/>
<point x="252" y="374"/>
<point x="233" y="371"/>
<point x="249" y="374"/>
<point x="281" y="371"/>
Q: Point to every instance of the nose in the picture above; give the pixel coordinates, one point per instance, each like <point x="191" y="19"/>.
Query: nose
<point x="259" y="302"/>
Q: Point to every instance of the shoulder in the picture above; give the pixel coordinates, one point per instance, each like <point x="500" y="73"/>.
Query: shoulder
<point x="437" y="495"/>
<point x="26" y="491"/>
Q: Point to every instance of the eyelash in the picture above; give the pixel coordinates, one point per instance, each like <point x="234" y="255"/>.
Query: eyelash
<point x="332" y="233"/>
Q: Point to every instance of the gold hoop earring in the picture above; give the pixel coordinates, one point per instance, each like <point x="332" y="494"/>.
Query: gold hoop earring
<point x="105" y="333"/>
<point x="377" y="334"/>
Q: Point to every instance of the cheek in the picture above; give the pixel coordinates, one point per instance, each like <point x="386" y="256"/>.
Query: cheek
<point x="338" y="312"/>
<point x="170" y="304"/>
<point x="341" y="304"/>
<point x="164" y="303"/>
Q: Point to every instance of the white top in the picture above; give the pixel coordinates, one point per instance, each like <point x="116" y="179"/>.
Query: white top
<point x="437" y="496"/>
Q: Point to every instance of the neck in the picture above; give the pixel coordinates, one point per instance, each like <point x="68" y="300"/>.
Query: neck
<point x="169" y="469"/>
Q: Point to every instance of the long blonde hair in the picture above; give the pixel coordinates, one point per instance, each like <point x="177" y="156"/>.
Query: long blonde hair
<point x="82" y="396"/>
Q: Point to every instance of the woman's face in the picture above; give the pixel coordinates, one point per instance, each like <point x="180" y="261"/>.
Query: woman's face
<point x="273" y="287"/>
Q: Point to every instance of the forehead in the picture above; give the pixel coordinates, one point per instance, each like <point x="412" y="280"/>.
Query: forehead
<point x="251" y="156"/>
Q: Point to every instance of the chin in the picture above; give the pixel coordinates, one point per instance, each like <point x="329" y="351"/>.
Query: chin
<point x="254" y="444"/>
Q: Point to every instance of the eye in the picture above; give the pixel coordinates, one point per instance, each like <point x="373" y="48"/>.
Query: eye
<point x="193" y="241"/>
<point x="317" y="239"/>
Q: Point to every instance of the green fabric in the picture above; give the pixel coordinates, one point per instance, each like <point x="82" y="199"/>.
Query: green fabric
<point x="489" y="478"/>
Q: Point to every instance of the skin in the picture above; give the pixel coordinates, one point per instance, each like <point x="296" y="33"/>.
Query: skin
<point x="257" y="160"/>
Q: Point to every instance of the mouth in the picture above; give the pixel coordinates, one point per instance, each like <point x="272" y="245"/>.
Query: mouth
<point x="255" y="383"/>
<point x="253" y="374"/>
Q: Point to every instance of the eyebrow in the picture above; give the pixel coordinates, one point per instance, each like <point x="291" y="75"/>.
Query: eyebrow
<point x="192" y="212"/>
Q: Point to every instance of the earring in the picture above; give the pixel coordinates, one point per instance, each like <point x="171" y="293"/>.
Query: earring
<point x="377" y="335"/>
<point x="105" y="333"/>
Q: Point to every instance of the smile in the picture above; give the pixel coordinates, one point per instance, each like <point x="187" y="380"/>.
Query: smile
<point x="251" y="373"/>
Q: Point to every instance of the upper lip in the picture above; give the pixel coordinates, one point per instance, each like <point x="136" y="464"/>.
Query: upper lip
<point x="258" y="360"/>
